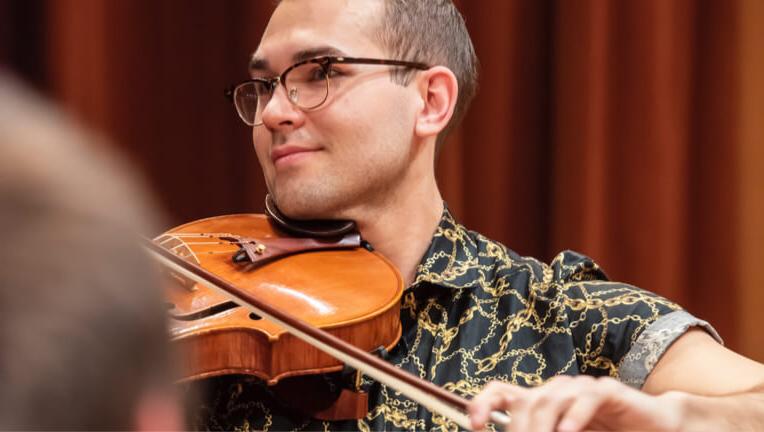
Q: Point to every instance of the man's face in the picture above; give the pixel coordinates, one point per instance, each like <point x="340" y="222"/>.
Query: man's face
<point x="352" y="151"/>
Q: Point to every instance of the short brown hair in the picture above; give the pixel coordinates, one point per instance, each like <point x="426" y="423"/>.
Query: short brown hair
<point x="432" y="32"/>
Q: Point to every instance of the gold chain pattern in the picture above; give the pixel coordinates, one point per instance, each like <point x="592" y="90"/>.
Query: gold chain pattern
<point x="478" y="312"/>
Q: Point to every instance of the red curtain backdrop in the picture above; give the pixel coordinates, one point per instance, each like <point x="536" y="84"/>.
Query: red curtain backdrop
<point x="632" y="131"/>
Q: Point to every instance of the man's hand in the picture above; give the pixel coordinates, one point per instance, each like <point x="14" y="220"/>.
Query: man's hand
<point x="723" y="391"/>
<point x="568" y="404"/>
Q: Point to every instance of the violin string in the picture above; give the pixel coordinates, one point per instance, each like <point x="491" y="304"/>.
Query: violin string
<point x="186" y="245"/>
<point x="191" y="252"/>
<point x="164" y="238"/>
<point x="207" y="243"/>
<point x="201" y="235"/>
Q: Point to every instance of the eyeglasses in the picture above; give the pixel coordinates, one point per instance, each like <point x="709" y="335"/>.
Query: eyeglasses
<point x="306" y="84"/>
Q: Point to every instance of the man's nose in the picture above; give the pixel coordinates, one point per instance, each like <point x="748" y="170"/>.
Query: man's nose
<point x="279" y="112"/>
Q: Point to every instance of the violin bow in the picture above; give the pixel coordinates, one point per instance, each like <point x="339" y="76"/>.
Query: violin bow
<point x="434" y="398"/>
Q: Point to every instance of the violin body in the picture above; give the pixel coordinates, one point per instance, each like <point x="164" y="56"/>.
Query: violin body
<point x="336" y="286"/>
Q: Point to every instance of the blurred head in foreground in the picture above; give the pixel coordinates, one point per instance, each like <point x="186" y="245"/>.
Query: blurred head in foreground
<point x="83" y="337"/>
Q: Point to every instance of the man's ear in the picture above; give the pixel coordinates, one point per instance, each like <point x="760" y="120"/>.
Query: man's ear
<point x="439" y="89"/>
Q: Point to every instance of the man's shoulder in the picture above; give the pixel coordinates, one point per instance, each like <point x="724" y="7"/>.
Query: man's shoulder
<point x="462" y="258"/>
<point x="568" y="275"/>
<point x="567" y="266"/>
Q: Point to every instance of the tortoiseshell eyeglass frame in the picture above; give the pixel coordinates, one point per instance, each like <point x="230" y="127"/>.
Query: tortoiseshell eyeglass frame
<point x="325" y="62"/>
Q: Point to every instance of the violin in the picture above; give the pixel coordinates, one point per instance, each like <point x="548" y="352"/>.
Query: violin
<point x="242" y="281"/>
<point x="335" y="285"/>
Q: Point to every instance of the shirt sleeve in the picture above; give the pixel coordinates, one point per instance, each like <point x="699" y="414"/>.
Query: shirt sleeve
<point x="641" y="358"/>
<point x="618" y="330"/>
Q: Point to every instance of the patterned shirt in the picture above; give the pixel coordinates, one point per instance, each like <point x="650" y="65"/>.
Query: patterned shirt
<point x="478" y="312"/>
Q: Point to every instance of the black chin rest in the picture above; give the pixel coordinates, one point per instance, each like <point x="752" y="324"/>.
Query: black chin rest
<point x="309" y="228"/>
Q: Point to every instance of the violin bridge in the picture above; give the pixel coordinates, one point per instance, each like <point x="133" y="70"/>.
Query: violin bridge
<point x="177" y="245"/>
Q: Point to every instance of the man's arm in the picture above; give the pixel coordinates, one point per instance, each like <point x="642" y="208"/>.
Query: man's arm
<point x="696" y="363"/>
<point x="697" y="385"/>
<point x="722" y="389"/>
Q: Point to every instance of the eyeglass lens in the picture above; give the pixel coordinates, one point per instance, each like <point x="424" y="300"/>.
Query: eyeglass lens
<point x="307" y="86"/>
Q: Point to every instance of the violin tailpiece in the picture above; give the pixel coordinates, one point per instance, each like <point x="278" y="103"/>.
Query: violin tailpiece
<point x="260" y="251"/>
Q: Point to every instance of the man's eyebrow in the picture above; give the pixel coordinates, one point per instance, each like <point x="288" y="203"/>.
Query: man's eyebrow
<point x="310" y="53"/>
<point x="261" y="64"/>
<point x="258" y="64"/>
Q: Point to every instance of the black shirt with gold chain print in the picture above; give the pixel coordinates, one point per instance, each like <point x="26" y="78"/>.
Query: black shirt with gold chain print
<point x="479" y="312"/>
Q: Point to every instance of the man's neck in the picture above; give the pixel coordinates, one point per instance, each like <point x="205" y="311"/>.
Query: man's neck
<point x="403" y="229"/>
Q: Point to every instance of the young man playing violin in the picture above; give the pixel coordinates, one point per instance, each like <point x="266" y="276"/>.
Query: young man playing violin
<point x="348" y="104"/>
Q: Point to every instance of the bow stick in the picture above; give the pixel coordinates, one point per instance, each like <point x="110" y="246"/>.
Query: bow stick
<point x="434" y="398"/>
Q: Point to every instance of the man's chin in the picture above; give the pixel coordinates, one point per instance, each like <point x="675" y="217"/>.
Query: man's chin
<point x="301" y="206"/>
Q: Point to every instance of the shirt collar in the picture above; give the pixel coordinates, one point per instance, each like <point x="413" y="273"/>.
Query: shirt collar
<point x="451" y="261"/>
